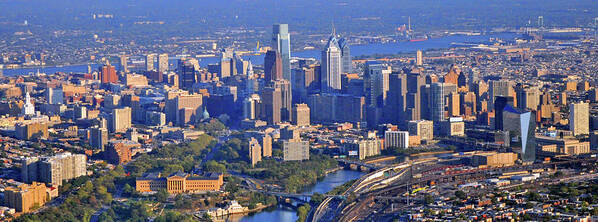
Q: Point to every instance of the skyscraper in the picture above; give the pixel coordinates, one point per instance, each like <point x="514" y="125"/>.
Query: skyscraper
<point x="331" y="66"/>
<point x="121" y="119"/>
<point x="108" y="74"/>
<point x="163" y="63"/>
<point x="437" y="92"/>
<point x="149" y="62"/>
<point x="521" y="125"/>
<point x="419" y="60"/>
<point x="579" y="118"/>
<point x="251" y="107"/>
<point x="300" y="115"/>
<point x="271" y="104"/>
<point x="499" y="104"/>
<point x="281" y="42"/>
<point x="347" y="62"/>
<point x="123" y="63"/>
<point x="255" y="151"/>
<point x="54" y="96"/>
<point x="272" y="66"/>
<point x="98" y="138"/>
<point x="186" y="72"/>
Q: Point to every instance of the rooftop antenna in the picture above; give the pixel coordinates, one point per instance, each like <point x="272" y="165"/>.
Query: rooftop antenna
<point x="333" y="29"/>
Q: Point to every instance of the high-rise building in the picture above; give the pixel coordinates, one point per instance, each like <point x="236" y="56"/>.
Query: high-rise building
<point x="124" y="63"/>
<point x="499" y="104"/>
<point x="347" y="62"/>
<point x="26" y="131"/>
<point x="251" y="107"/>
<point x="500" y="88"/>
<point x="521" y="125"/>
<point x="98" y="137"/>
<point x="119" y="151"/>
<point x="438" y="91"/>
<point x="108" y="74"/>
<point x="54" y="169"/>
<point x="272" y="66"/>
<point x="28" y="107"/>
<point x="331" y="108"/>
<point x="300" y="115"/>
<point x="266" y="142"/>
<point x="149" y="62"/>
<point x="163" y="63"/>
<point x="364" y="147"/>
<point x="399" y="139"/>
<point x="271" y="104"/>
<point x="419" y="60"/>
<point x="295" y="150"/>
<point x="422" y="128"/>
<point x="187" y="76"/>
<point x="579" y="118"/>
<point x="54" y="96"/>
<point x="255" y="151"/>
<point x="286" y="98"/>
<point x="281" y="42"/>
<point x="331" y="66"/>
<point x="376" y="83"/>
<point x="120" y="119"/>
<point x="24" y="197"/>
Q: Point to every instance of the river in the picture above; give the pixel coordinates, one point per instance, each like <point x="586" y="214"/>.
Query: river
<point x="281" y="214"/>
<point x="356" y="50"/>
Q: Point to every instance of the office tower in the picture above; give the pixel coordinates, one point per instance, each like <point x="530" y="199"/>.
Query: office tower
<point x="454" y="104"/>
<point x="332" y="108"/>
<point x="468" y="104"/>
<point x="155" y="118"/>
<point x="255" y="151"/>
<point x="419" y="60"/>
<point x="251" y="107"/>
<point x="149" y="62"/>
<point x="454" y="126"/>
<point x="499" y="104"/>
<point x="437" y="101"/>
<point x="305" y="83"/>
<point x="462" y="80"/>
<point x="331" y="66"/>
<point x="25" y="197"/>
<point x="266" y="142"/>
<point x="579" y="118"/>
<point x="28" y="107"/>
<point x="163" y="63"/>
<point x="500" y="88"/>
<point x="347" y="62"/>
<point x="521" y="125"/>
<point x="123" y="63"/>
<point x="27" y="131"/>
<point x="399" y="139"/>
<point x="528" y="98"/>
<point x="413" y="100"/>
<point x="286" y="100"/>
<point x="108" y="74"/>
<point x="364" y="147"/>
<point x="390" y="92"/>
<point x="177" y="103"/>
<point x="112" y="101"/>
<point x="295" y="150"/>
<point x="54" y="169"/>
<point x="272" y="66"/>
<point x="98" y="138"/>
<point x="187" y="76"/>
<point x="271" y="104"/>
<point x="300" y="115"/>
<point x="80" y="112"/>
<point x="227" y="63"/>
<point x="422" y="128"/>
<point x="54" y="96"/>
<point x="281" y="42"/>
<point x="376" y="81"/>
<point x="120" y="119"/>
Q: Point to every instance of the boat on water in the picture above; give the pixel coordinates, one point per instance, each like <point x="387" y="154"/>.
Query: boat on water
<point x="418" y="40"/>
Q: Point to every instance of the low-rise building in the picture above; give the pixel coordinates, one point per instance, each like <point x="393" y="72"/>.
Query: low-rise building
<point x="179" y="183"/>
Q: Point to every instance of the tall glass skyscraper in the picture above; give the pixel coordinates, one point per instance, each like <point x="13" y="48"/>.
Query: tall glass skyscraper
<point x="331" y="66"/>
<point x="521" y="125"/>
<point x="281" y="42"/>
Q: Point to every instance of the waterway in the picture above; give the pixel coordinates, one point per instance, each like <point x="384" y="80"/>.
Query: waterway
<point x="282" y="214"/>
<point x="356" y="50"/>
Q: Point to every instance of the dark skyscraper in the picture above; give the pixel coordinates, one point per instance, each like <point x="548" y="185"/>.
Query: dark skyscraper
<point x="272" y="66"/>
<point x="186" y="72"/>
<point x="500" y="103"/>
<point x="347" y="63"/>
<point x="271" y="104"/>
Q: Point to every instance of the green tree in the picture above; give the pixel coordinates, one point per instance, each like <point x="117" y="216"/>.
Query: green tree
<point x="460" y="194"/>
<point x="162" y="195"/>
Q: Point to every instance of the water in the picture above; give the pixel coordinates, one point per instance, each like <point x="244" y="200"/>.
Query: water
<point x="283" y="215"/>
<point x="356" y="50"/>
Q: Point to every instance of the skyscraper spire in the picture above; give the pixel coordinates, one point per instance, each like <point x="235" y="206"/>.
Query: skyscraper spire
<point x="333" y="29"/>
